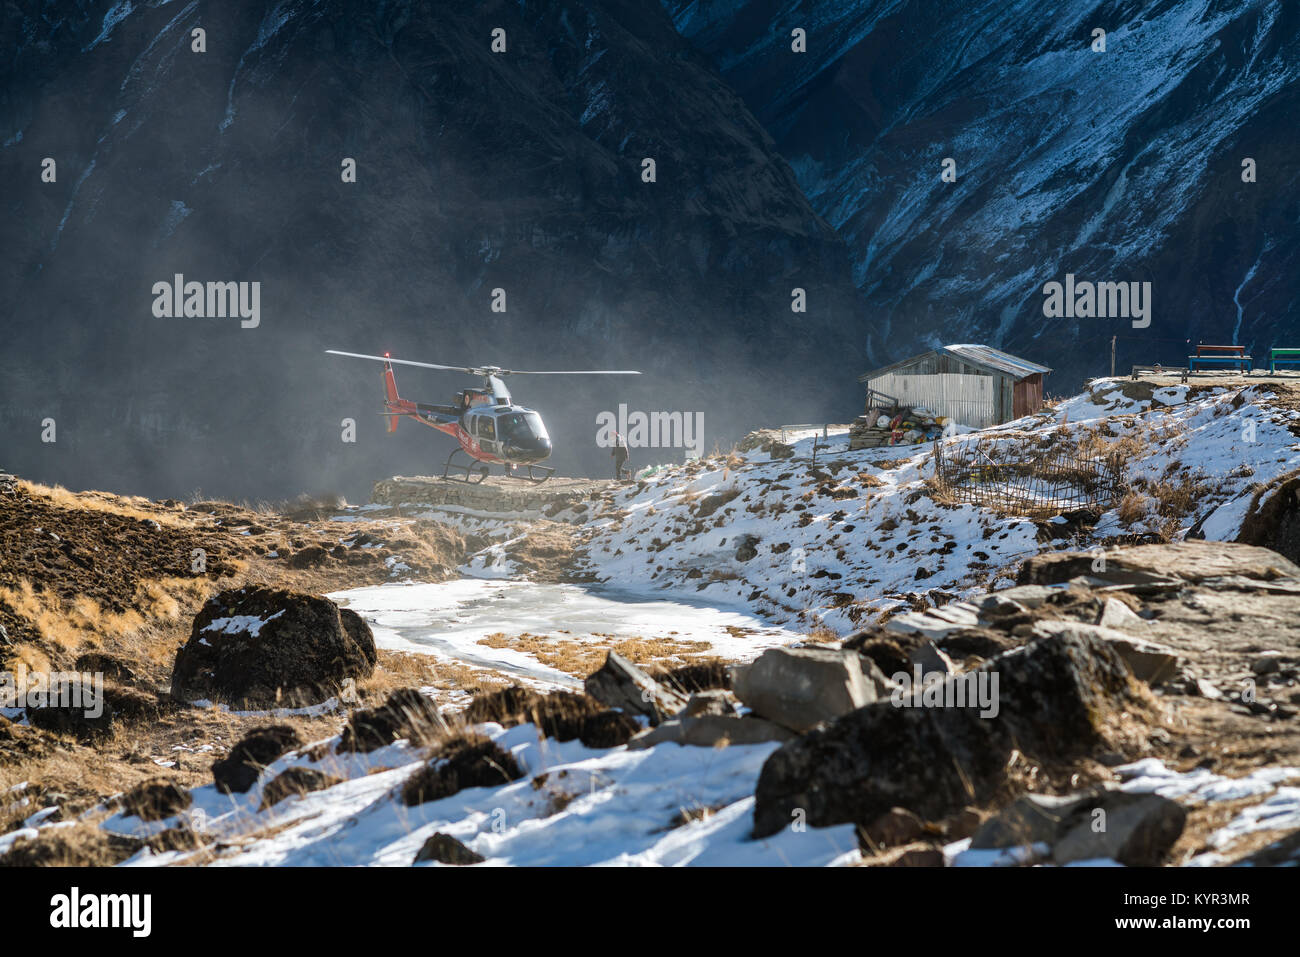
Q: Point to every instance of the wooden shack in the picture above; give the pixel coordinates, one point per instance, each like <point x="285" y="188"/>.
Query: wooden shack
<point x="972" y="385"/>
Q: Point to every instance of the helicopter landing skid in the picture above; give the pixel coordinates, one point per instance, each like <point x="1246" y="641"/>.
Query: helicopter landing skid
<point x="537" y="474"/>
<point x="474" y="472"/>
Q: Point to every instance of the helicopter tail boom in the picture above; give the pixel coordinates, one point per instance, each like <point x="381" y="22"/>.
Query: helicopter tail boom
<point x="390" y="393"/>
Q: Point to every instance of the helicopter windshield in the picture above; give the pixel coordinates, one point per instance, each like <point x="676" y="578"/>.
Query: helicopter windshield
<point x="521" y="427"/>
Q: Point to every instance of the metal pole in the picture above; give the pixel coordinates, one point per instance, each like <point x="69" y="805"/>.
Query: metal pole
<point x="1112" y="356"/>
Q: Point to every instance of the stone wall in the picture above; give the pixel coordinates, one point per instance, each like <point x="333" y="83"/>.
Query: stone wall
<point x="494" y="494"/>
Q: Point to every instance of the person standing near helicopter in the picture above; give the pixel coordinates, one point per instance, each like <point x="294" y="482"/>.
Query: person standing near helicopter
<point x="620" y="453"/>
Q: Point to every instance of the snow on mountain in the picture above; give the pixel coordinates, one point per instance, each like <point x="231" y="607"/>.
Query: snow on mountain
<point x="859" y="535"/>
<point x="1124" y="164"/>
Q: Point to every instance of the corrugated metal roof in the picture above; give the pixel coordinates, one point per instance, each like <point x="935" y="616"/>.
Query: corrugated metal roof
<point x="996" y="359"/>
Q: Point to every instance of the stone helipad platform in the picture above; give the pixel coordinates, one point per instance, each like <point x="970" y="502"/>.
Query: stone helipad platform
<point x="493" y="494"/>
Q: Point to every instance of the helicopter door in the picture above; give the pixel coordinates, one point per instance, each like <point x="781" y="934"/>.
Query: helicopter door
<point x="485" y="430"/>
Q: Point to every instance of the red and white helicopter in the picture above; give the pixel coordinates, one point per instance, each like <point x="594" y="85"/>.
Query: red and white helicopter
<point x="486" y="423"/>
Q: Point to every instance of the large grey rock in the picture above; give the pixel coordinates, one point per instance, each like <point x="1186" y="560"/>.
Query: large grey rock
<point x="621" y="684"/>
<point x="1028" y="596"/>
<point x="801" y="687"/>
<point x="1150" y="662"/>
<point x="935" y="623"/>
<point x="1188" y="561"/>
<point x="1131" y="828"/>
<point x="1115" y="614"/>
<point x="1137" y="830"/>
<point x="1030" y="819"/>
<point x="712" y="731"/>
<point x="931" y="659"/>
<point x="257" y="647"/>
<point x="714" y="701"/>
<point x="1058" y="699"/>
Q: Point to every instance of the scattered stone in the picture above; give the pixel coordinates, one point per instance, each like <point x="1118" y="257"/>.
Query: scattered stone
<point x="1284" y="852"/>
<point x="920" y="857"/>
<point x="71" y="847"/>
<point x="459" y="763"/>
<point x="1206" y="689"/>
<point x="1115" y="614"/>
<point x="708" y="702"/>
<point x="1031" y="819"/>
<point x="405" y="714"/>
<point x="802" y="687"/>
<point x="445" y="849"/>
<point x="1059" y="699"/>
<point x="239" y="770"/>
<point x="155" y="800"/>
<point x="258" y="647"/>
<point x="1187" y="561"/>
<point x="85" y="720"/>
<point x="895" y="827"/>
<point x="1266" y="664"/>
<point x="1024" y="596"/>
<point x="296" y="781"/>
<point x="697" y="676"/>
<point x="560" y="715"/>
<point x="133" y="704"/>
<point x="312" y="556"/>
<point x="1132" y="828"/>
<point x="112" y="667"/>
<point x="621" y="684"/>
<point x="711" y="731"/>
<point x="1149" y="661"/>
<point x="747" y="547"/>
<point x="931" y="660"/>
<point x="1138" y="831"/>
<point x="179" y="838"/>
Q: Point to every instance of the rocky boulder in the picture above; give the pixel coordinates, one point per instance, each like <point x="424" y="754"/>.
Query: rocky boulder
<point x="1054" y="700"/>
<point x="239" y="770"/>
<point x="1188" y="561"/>
<point x="1132" y="828"/>
<point x="258" y="647"/>
<point x="711" y="731"/>
<point x="294" y="782"/>
<point x="405" y="714"/>
<point x="463" y="762"/>
<point x="155" y="800"/>
<point x="621" y="684"/>
<point x="445" y="849"/>
<point x="799" y="688"/>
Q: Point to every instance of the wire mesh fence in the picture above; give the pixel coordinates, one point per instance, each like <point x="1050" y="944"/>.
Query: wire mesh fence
<point x="995" y="475"/>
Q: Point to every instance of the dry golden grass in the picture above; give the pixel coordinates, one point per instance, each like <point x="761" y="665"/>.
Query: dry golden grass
<point x="129" y="507"/>
<point x="69" y="627"/>
<point x="408" y="669"/>
<point x="823" y="634"/>
<point x="581" y="658"/>
<point x="1132" y="508"/>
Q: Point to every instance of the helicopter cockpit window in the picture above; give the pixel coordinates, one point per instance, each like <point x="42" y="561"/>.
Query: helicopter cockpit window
<point x="522" y="425"/>
<point x="484" y="427"/>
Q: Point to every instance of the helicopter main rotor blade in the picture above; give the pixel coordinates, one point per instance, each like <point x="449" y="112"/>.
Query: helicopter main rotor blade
<point x="571" y="372"/>
<point x="404" y="362"/>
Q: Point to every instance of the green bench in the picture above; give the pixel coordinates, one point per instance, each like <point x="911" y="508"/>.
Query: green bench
<point x="1284" y="355"/>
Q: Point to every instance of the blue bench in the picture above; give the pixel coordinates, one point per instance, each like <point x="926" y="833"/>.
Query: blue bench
<point x="1220" y="355"/>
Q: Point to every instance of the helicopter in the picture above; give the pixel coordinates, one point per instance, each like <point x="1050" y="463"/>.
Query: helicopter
<point x="487" y="425"/>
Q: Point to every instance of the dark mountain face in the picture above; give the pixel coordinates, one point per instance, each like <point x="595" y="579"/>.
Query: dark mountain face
<point x="1115" y="166"/>
<point x="476" y="171"/>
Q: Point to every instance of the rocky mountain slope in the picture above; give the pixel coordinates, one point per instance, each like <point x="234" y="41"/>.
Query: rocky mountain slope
<point x="476" y="171"/>
<point x="1123" y="165"/>
<point x="1141" y="659"/>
